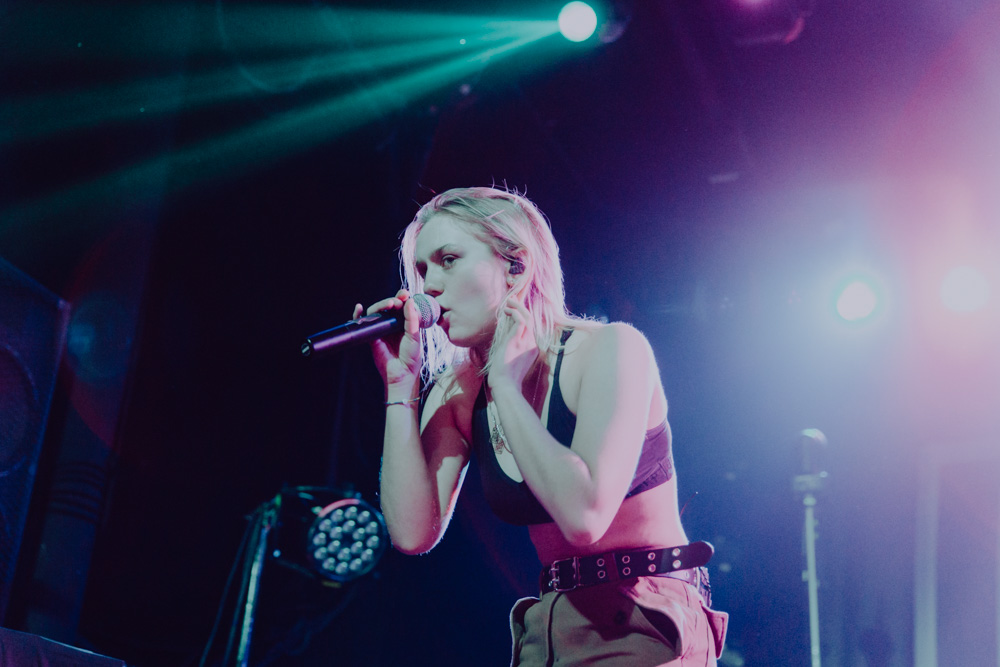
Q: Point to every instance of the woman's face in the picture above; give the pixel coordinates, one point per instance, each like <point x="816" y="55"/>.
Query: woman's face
<point x="465" y="276"/>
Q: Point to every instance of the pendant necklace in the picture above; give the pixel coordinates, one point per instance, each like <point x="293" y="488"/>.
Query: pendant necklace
<point x="497" y="436"/>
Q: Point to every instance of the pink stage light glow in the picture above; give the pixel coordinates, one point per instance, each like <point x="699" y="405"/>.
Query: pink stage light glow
<point x="965" y="289"/>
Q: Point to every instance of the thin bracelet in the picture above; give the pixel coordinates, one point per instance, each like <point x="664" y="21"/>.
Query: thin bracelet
<point x="406" y="402"/>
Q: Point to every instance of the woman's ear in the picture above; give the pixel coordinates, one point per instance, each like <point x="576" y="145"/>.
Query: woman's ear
<point x="514" y="270"/>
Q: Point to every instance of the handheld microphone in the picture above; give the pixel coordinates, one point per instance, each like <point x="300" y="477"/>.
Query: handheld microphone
<point x="370" y="327"/>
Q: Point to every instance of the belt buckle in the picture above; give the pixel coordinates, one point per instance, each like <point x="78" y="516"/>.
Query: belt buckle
<point x="555" y="582"/>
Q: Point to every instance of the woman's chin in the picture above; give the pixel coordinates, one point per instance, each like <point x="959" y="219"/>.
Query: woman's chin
<point x="460" y="338"/>
<point x="461" y="341"/>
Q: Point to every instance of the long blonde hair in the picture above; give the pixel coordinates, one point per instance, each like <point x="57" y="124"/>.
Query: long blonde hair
<point x="518" y="233"/>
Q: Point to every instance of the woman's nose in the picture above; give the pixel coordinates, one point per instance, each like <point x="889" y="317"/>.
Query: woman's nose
<point x="432" y="286"/>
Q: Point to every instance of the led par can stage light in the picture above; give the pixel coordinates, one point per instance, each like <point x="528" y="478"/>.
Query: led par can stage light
<point x="346" y="539"/>
<point x="330" y="534"/>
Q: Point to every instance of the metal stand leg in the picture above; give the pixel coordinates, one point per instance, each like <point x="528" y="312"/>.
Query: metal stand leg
<point x="810" y="576"/>
<point x="813" y="445"/>
<point x="268" y="515"/>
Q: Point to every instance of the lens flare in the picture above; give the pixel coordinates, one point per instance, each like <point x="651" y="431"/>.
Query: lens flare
<point x="857" y="301"/>
<point x="577" y="21"/>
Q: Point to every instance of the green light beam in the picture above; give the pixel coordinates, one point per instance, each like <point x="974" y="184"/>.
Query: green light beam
<point x="47" y="115"/>
<point x="40" y="33"/>
<point x="54" y="113"/>
<point x="263" y="142"/>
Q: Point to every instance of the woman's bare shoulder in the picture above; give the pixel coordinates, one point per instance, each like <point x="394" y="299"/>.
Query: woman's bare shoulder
<point x="597" y="348"/>
<point x="598" y="338"/>
<point x="613" y="353"/>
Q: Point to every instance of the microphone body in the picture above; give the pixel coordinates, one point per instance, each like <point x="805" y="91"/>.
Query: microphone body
<point x="369" y="327"/>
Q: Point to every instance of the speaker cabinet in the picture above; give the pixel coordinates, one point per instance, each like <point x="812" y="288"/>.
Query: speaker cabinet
<point x="26" y="650"/>
<point x="32" y="331"/>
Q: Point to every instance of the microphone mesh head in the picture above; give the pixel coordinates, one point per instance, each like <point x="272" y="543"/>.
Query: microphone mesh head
<point x="428" y="308"/>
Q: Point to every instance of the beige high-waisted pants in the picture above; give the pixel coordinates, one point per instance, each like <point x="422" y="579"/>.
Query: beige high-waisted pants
<point x="638" y="622"/>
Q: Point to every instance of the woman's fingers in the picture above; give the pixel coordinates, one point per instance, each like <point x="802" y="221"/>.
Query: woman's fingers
<point x="412" y="317"/>
<point x="391" y="303"/>
<point x="520" y="329"/>
<point x="519" y="313"/>
<point x="519" y="305"/>
<point x="401" y="301"/>
<point x="379" y="306"/>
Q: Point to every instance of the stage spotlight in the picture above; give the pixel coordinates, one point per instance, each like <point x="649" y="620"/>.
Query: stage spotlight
<point x="346" y="540"/>
<point x="329" y="533"/>
<point x="857" y="301"/>
<point x="965" y="289"/>
<point x="577" y="21"/>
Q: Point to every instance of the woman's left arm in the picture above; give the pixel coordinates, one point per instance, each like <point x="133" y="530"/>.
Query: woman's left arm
<point x="583" y="487"/>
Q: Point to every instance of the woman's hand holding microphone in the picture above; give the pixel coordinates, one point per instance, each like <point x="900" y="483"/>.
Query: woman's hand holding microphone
<point x="398" y="356"/>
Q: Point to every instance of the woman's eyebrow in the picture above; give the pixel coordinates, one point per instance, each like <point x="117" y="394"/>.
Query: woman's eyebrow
<point x="447" y="247"/>
<point x="435" y="256"/>
<point x="443" y="250"/>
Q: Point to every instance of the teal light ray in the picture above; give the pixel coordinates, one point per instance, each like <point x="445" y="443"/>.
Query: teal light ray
<point x="52" y="114"/>
<point x="40" y="33"/>
<point x="267" y="140"/>
<point x="283" y="49"/>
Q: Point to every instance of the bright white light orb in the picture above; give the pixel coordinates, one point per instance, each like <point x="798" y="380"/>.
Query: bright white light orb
<point x="577" y="21"/>
<point x="965" y="289"/>
<point x="857" y="301"/>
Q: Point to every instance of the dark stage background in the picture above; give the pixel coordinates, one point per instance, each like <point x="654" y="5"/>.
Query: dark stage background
<point x="710" y="179"/>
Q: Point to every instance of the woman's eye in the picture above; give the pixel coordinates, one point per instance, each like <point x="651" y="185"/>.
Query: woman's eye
<point x="448" y="260"/>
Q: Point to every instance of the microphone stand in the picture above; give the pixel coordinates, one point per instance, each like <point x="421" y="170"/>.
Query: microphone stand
<point x="267" y="515"/>
<point x="808" y="485"/>
<point x="813" y="444"/>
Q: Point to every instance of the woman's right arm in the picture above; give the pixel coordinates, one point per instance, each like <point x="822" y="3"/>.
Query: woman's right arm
<point x="422" y="464"/>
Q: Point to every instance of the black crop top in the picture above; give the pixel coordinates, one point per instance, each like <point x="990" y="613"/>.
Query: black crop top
<point x="513" y="501"/>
